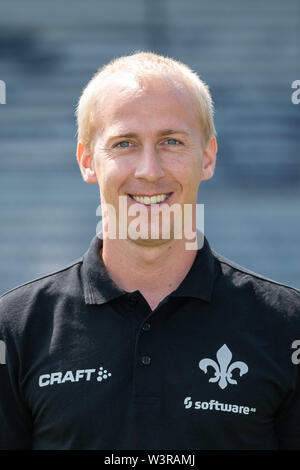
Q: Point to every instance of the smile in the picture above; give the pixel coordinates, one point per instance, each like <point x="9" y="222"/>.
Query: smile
<point x="148" y="200"/>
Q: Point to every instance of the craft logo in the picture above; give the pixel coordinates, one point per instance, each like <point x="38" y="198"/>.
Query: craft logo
<point x="73" y="376"/>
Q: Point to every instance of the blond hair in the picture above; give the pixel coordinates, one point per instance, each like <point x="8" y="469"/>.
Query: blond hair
<point x="142" y="65"/>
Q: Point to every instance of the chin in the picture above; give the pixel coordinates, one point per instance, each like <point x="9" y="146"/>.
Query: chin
<point x="150" y="242"/>
<point x="156" y="240"/>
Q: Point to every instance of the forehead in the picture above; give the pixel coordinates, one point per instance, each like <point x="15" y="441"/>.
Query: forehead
<point x="127" y="102"/>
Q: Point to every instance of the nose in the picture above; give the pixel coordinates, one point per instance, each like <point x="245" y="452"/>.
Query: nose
<point x="149" y="165"/>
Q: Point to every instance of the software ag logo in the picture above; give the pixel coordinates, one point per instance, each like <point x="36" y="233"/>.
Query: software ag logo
<point x="188" y="402"/>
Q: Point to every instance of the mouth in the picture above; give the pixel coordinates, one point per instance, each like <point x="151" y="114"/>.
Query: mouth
<point x="156" y="199"/>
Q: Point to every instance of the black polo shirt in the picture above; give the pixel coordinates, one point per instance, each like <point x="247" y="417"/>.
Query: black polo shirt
<point x="87" y="365"/>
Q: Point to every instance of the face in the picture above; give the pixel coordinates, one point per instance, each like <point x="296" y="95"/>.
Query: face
<point x="148" y="143"/>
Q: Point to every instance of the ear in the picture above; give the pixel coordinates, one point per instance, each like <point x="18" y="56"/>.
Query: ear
<point x="209" y="159"/>
<point x="86" y="164"/>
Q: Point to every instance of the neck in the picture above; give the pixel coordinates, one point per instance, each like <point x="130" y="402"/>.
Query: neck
<point x="155" y="271"/>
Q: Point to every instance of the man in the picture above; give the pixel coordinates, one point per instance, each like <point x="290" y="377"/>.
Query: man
<point x="148" y="342"/>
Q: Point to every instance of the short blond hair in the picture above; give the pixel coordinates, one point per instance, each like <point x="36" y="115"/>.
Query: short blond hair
<point x="143" y="65"/>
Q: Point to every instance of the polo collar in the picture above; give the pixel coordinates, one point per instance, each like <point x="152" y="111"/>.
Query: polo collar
<point x="99" y="288"/>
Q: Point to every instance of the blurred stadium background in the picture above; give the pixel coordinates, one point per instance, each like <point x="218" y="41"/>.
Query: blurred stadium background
<point x="249" y="54"/>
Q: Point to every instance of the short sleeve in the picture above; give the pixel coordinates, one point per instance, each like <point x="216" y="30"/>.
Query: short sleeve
<point x="15" y="421"/>
<point x="288" y="417"/>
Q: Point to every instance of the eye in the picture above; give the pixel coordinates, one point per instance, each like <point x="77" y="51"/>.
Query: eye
<point x="124" y="144"/>
<point x="172" y="142"/>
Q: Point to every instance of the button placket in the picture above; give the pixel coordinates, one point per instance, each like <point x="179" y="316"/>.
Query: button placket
<point x="146" y="364"/>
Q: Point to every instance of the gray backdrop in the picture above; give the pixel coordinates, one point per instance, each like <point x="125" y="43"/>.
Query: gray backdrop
<point x="248" y="53"/>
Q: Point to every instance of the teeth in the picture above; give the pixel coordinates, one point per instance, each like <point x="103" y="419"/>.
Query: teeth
<point x="150" y="200"/>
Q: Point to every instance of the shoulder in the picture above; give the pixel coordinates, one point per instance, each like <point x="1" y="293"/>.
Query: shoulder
<point x="17" y="303"/>
<point x="258" y="289"/>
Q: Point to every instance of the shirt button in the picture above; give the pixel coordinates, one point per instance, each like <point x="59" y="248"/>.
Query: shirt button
<point x="146" y="326"/>
<point x="146" y="360"/>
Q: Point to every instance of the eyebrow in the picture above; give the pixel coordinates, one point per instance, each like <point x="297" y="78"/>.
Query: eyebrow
<point x="160" y="133"/>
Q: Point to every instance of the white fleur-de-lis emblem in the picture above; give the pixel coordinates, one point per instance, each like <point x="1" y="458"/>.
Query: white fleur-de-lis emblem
<point x="223" y="368"/>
